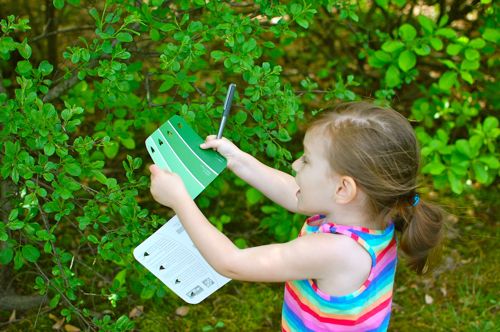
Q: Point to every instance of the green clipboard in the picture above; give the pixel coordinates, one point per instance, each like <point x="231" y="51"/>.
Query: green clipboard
<point x="175" y="147"/>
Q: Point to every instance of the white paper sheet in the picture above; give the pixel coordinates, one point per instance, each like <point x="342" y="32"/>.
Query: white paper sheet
<point x="172" y="257"/>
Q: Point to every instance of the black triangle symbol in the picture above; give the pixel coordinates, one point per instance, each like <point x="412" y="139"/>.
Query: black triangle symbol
<point x="192" y="294"/>
<point x="146" y="254"/>
<point x="177" y="281"/>
<point x="161" y="267"/>
<point x="152" y="150"/>
<point x="160" y="141"/>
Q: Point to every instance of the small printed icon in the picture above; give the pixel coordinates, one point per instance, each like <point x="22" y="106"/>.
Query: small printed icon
<point x="195" y="291"/>
<point x="162" y="267"/>
<point x="177" y="281"/>
<point x="152" y="150"/>
<point x="160" y="142"/>
<point x="146" y="254"/>
<point x="208" y="282"/>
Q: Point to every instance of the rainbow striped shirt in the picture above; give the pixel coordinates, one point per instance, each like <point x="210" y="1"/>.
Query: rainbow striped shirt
<point x="307" y="308"/>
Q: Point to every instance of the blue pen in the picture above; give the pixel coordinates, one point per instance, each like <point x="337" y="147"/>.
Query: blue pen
<point x="227" y="107"/>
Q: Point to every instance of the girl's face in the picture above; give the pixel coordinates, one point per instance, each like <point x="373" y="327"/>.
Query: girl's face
<point x="316" y="180"/>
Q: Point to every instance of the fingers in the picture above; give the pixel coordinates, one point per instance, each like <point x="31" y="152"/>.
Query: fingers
<point x="154" y="169"/>
<point x="211" y="142"/>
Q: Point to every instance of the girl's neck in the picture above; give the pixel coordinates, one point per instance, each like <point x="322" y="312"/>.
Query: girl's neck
<point x="354" y="217"/>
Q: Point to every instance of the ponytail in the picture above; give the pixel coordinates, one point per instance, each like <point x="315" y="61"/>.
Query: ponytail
<point x="422" y="232"/>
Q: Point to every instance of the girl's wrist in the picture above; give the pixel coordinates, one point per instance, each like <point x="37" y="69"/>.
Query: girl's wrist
<point x="238" y="162"/>
<point x="182" y="204"/>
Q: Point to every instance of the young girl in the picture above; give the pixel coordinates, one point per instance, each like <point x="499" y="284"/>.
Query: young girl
<point x="357" y="182"/>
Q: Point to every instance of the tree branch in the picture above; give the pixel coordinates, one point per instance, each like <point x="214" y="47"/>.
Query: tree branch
<point x="2" y="88"/>
<point x="72" y="29"/>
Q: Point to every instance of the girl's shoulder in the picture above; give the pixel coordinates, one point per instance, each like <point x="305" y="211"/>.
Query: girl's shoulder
<point x="346" y="264"/>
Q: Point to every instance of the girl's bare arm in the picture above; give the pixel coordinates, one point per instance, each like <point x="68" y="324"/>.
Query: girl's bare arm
<point x="278" y="186"/>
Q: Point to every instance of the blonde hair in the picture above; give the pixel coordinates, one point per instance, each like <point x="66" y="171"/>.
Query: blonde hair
<point x="377" y="147"/>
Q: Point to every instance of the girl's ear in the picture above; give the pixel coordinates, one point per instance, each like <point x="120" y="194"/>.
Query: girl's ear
<point x="346" y="190"/>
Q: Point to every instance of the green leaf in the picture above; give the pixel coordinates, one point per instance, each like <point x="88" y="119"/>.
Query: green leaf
<point x="217" y="55"/>
<point x="492" y="35"/>
<point x="480" y="172"/>
<point x="24" y="49"/>
<point x="471" y="54"/>
<point x="283" y="135"/>
<point x="407" y="32"/>
<point x="426" y="23"/>
<point x="92" y="238"/>
<point x="446" y="32"/>
<point x="240" y="117"/>
<point x="73" y="169"/>
<point x="392" y="46"/>
<point x="18" y="260"/>
<point x="24" y="67"/>
<point x="469" y="65"/>
<point x="55" y="300"/>
<point x="463" y="147"/>
<point x="147" y="292"/>
<point x="241" y="243"/>
<point x="253" y="196"/>
<point x="195" y="26"/>
<point x="436" y="43"/>
<point x="121" y="277"/>
<point x="249" y="45"/>
<point x="111" y="149"/>
<point x="407" y="60"/>
<point x="45" y="67"/>
<point x="491" y="161"/>
<point x="456" y="184"/>
<point x="382" y="3"/>
<point x="302" y="22"/>
<point x="124" y="37"/>
<point x="128" y="142"/>
<point x="30" y="253"/>
<point x="59" y="4"/>
<point x="271" y="149"/>
<point x="477" y="43"/>
<point x="466" y="76"/>
<point x="392" y="76"/>
<point x="168" y="83"/>
<point x="295" y="8"/>
<point x="15" y="225"/>
<point x="453" y="49"/>
<point x="447" y="80"/>
<point x="434" y="168"/>
<point x="6" y="255"/>
<point x="154" y="34"/>
<point x="383" y="57"/>
<point x="490" y="123"/>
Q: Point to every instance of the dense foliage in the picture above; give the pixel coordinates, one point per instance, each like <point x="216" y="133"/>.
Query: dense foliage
<point x="82" y="85"/>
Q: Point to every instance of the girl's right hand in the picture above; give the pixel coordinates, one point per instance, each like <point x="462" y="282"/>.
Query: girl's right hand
<point x="226" y="148"/>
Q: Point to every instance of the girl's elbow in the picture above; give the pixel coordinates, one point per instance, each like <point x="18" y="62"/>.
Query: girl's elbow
<point x="229" y="267"/>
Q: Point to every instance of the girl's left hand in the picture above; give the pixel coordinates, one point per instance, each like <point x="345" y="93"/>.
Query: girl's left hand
<point x="167" y="188"/>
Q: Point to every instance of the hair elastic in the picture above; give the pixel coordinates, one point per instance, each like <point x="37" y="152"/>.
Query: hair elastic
<point x="415" y="200"/>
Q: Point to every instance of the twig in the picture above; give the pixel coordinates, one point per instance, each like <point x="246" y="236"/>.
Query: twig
<point x="2" y="88"/>
<point x="48" y="34"/>
<point x="63" y="296"/>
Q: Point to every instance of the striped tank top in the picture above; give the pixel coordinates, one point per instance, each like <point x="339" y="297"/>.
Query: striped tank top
<point x="307" y="308"/>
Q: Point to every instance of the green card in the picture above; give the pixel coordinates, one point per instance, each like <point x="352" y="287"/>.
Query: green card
<point x="175" y="147"/>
